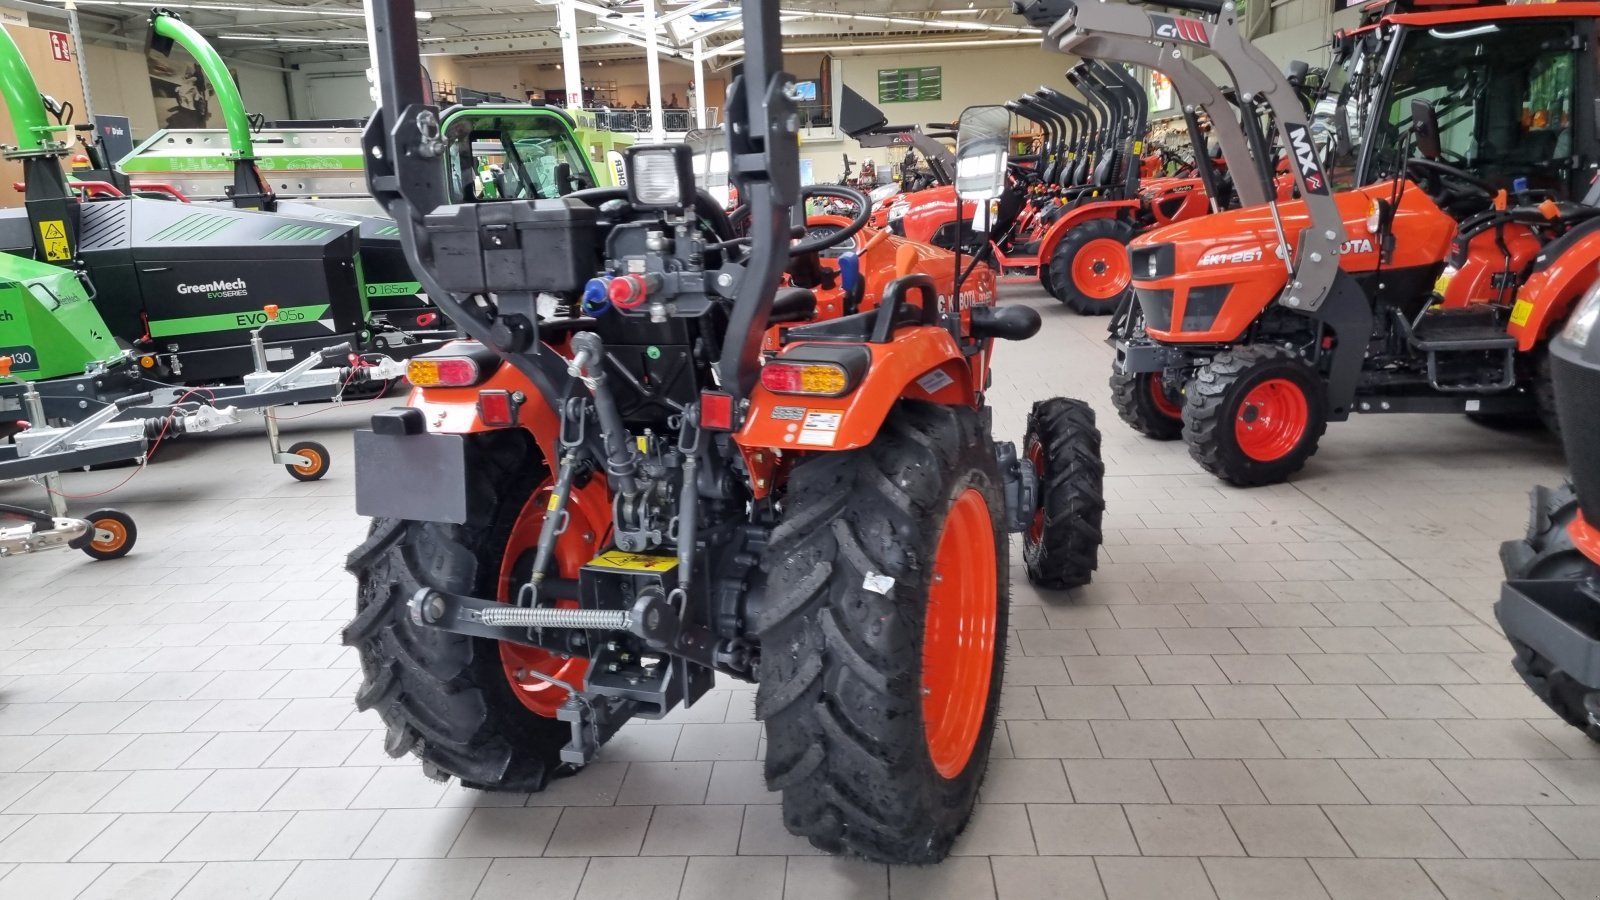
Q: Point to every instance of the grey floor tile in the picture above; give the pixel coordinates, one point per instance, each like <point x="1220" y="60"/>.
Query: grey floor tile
<point x="1263" y="879"/>
<point x="237" y="880"/>
<point x="346" y="879"/>
<point x="140" y="881"/>
<point x="1114" y="781"/>
<point x="49" y="881"/>
<point x="1046" y="878"/>
<point x="505" y="832"/>
<point x="1153" y="878"/>
<point x="1286" y="831"/>
<point x="1375" y="879"/>
<point x="830" y="876"/>
<point x="955" y="879"/>
<point x="1061" y="829"/>
<point x="1176" y="830"/>
<point x="460" y="879"/>
<point x="758" y="878"/>
<point x="1497" y="832"/>
<point x="1391" y="831"/>
<point x="693" y="831"/>
<point x="1488" y="879"/>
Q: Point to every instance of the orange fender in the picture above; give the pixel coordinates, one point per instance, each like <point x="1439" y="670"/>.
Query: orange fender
<point x="1100" y="209"/>
<point x="1547" y="296"/>
<point x="919" y="363"/>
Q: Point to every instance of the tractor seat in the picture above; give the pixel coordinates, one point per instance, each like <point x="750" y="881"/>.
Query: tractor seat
<point x="855" y="328"/>
<point x="792" y="304"/>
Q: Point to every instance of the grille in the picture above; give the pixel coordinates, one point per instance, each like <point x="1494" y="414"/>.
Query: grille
<point x="1157" y="308"/>
<point x="104" y="225"/>
<point x="1201" y="306"/>
<point x="296" y="233"/>
<point x="1576" y="389"/>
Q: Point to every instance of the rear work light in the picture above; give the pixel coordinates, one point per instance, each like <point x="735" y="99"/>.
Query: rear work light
<point x="442" y="371"/>
<point x="818" y="379"/>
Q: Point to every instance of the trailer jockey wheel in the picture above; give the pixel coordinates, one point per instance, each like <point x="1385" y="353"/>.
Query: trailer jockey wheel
<point x="1089" y="269"/>
<point x="316" y="464"/>
<point x="1253" y="415"/>
<point x="111" y="534"/>
<point x="1061" y="546"/>
<point x="1149" y="404"/>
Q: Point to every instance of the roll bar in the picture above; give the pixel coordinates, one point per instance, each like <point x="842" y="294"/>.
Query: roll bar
<point x="404" y="151"/>
<point x="1257" y="80"/>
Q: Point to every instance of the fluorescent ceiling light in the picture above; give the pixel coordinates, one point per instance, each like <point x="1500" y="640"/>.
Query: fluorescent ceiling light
<point x="909" y="45"/>
<point x="931" y="24"/>
<point x="217" y="7"/>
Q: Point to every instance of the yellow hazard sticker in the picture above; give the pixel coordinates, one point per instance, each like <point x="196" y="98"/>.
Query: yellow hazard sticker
<point x="637" y="562"/>
<point x="554" y="502"/>
<point x="1520" y="312"/>
<point x="53" y="235"/>
<point x="642" y="443"/>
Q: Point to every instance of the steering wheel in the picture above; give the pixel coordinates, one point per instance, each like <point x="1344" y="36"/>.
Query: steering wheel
<point x="1437" y="171"/>
<point x="863" y="213"/>
<point x="705" y="206"/>
<point x="832" y="238"/>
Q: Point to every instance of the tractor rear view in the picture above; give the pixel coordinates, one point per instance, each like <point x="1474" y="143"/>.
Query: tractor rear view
<point x="617" y="493"/>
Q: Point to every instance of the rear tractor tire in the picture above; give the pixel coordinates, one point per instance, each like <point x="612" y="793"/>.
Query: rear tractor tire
<point x="1547" y="551"/>
<point x="1061" y="547"/>
<point x="449" y="699"/>
<point x="1145" y="402"/>
<point x="882" y="634"/>
<point x="1089" y="269"/>
<point x="1253" y="415"/>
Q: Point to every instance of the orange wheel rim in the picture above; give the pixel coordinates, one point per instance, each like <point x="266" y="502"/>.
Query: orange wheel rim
<point x="958" y="638"/>
<point x="313" y="463"/>
<point x="1036" y="459"/>
<point x="523" y="665"/>
<point x="1271" y="420"/>
<point x="118" y="532"/>
<point x="1163" y="403"/>
<point x="1101" y="269"/>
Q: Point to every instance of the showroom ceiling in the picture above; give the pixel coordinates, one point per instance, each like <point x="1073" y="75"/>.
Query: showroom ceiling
<point x="608" y="30"/>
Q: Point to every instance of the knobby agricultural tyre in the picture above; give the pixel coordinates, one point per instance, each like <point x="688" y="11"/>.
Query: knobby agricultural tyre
<point x="1061" y="548"/>
<point x="1089" y="269"/>
<point x="1547" y="551"/>
<point x="1142" y="402"/>
<point x="882" y="634"/>
<point x="443" y="696"/>
<point x="1254" y="414"/>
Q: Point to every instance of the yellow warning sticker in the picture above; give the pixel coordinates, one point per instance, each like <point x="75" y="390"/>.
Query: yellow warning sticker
<point x="53" y="235"/>
<point x="553" y="502"/>
<point x="1520" y="312"/>
<point x="638" y="562"/>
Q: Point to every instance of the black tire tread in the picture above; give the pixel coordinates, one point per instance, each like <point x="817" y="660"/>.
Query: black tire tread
<point x="443" y="697"/>
<point x="1207" y="418"/>
<point x="840" y="665"/>
<point x="1062" y="287"/>
<point x="1072" y="494"/>
<point x="1130" y="394"/>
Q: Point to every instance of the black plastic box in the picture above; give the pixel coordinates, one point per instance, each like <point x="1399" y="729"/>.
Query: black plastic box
<point x="513" y="245"/>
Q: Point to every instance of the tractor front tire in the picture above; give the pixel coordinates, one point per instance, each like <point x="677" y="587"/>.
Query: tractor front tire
<point x="1061" y="548"/>
<point x="1143" y="402"/>
<point x="1089" y="268"/>
<point x="1253" y="415"/>
<point x="882" y="631"/>
<point x="445" y="697"/>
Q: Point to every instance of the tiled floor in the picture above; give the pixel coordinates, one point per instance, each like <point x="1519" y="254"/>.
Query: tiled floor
<point x="1277" y="694"/>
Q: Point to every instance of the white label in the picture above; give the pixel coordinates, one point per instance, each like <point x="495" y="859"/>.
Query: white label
<point x="279" y="354"/>
<point x="822" y="420"/>
<point x="1474" y="405"/>
<point x="934" y="381"/>
<point x="817" y="438"/>
<point x="13" y="17"/>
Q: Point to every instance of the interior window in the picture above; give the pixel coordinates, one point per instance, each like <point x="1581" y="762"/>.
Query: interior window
<point x="514" y="158"/>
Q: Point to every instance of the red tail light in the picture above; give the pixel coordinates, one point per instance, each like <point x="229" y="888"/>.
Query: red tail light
<point x="442" y="371"/>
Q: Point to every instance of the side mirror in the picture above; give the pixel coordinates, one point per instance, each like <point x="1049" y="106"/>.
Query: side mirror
<point x="983" y="138"/>
<point x="1425" y="128"/>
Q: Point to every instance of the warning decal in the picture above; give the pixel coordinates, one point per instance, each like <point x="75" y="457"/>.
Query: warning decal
<point x="53" y="235"/>
<point x="820" y="427"/>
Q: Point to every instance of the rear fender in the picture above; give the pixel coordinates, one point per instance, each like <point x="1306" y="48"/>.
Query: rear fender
<point x="454" y="410"/>
<point x="919" y="363"/>
<point x="1548" y="295"/>
<point x="1102" y="209"/>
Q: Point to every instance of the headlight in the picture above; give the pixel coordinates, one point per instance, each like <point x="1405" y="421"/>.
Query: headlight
<point x="1583" y="318"/>
<point x="660" y="176"/>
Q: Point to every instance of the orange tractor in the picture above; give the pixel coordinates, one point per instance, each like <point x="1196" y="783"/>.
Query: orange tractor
<point x="1433" y="287"/>
<point x="627" y="482"/>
